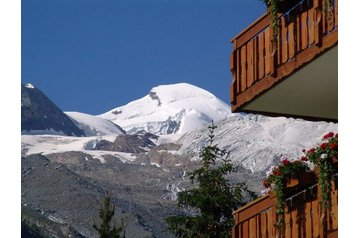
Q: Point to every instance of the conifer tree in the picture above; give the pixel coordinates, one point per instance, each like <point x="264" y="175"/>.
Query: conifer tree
<point x="106" y="214"/>
<point x="213" y="199"/>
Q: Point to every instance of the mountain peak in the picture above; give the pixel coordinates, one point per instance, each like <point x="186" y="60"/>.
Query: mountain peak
<point x="29" y="85"/>
<point x="169" y="109"/>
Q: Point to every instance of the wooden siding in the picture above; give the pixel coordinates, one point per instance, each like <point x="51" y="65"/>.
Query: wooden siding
<point x="303" y="216"/>
<point x="257" y="63"/>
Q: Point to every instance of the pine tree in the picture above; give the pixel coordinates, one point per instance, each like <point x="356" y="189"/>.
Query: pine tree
<point x="213" y="200"/>
<point x="106" y="214"/>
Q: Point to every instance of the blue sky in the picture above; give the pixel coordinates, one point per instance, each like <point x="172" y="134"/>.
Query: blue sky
<point x="94" y="55"/>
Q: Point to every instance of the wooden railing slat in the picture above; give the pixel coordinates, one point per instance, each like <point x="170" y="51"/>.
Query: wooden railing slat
<point x="288" y="224"/>
<point x="294" y="224"/>
<point x="261" y="54"/>
<point x="308" y="220"/>
<point x="238" y="71"/>
<point x="291" y="39"/>
<point x="243" y="75"/>
<point x="263" y="224"/>
<point x="283" y="43"/>
<point x="252" y="227"/>
<point x="315" y="218"/>
<point x="245" y="229"/>
<point x="312" y="22"/>
<point x="270" y="223"/>
<point x="267" y="53"/>
<point x="304" y="31"/>
<point x="250" y="63"/>
<point x="334" y="210"/>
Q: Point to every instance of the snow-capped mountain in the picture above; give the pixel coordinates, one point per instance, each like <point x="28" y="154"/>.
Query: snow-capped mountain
<point x="170" y="109"/>
<point x="94" y="126"/>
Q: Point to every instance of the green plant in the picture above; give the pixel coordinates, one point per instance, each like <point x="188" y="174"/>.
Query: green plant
<point x="106" y="214"/>
<point x="272" y="6"/>
<point x="322" y="157"/>
<point x="213" y="200"/>
<point x="277" y="179"/>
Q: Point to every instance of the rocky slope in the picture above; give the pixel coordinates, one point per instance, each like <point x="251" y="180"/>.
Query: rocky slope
<point x="39" y="115"/>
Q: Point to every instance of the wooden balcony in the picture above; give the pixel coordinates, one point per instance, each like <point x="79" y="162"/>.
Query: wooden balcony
<point x="305" y="32"/>
<point x="303" y="216"/>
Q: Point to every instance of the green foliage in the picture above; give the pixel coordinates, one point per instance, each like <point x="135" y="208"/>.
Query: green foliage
<point x="322" y="156"/>
<point x="213" y="200"/>
<point x="106" y="214"/>
<point x="277" y="181"/>
<point x="272" y="6"/>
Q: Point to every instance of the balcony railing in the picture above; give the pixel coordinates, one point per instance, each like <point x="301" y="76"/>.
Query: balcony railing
<point x="304" y="31"/>
<point x="303" y="216"/>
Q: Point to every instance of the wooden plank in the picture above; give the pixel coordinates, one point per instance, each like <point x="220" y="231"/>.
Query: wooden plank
<point x="250" y="63"/>
<point x="268" y="52"/>
<point x="315" y="218"/>
<point x="234" y="231"/>
<point x="261" y="54"/>
<point x="308" y="220"/>
<point x="263" y="225"/>
<point x="311" y="26"/>
<point x="318" y="21"/>
<point x="291" y="40"/>
<point x="288" y="224"/>
<point x="252" y="227"/>
<point x="245" y="229"/>
<point x="258" y="225"/>
<point x="233" y="88"/>
<point x="255" y="58"/>
<point x="330" y="18"/>
<point x="298" y="31"/>
<point x="334" y="210"/>
<point x="270" y="224"/>
<point x="295" y="224"/>
<point x="283" y="45"/>
<point x="238" y="72"/>
<point x="243" y="69"/>
<point x="323" y="19"/>
<point x="304" y="31"/>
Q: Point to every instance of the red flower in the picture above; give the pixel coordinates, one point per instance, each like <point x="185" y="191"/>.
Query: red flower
<point x="312" y="150"/>
<point x="324" y="145"/>
<point x="333" y="146"/>
<point x="327" y="136"/>
<point x="285" y="162"/>
<point x="277" y="172"/>
<point x="303" y="158"/>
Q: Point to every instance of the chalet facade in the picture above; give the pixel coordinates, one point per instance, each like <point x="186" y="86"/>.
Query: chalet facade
<point x="296" y="75"/>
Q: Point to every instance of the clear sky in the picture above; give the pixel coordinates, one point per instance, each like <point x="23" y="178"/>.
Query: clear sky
<point x="93" y="55"/>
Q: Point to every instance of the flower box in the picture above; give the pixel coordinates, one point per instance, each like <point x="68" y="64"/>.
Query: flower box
<point x="299" y="180"/>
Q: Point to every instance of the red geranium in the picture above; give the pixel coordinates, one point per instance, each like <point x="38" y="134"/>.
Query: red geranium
<point x="333" y="146"/>
<point x="324" y="145"/>
<point x="304" y="158"/>
<point x="312" y="150"/>
<point x="327" y="136"/>
<point x="285" y="162"/>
